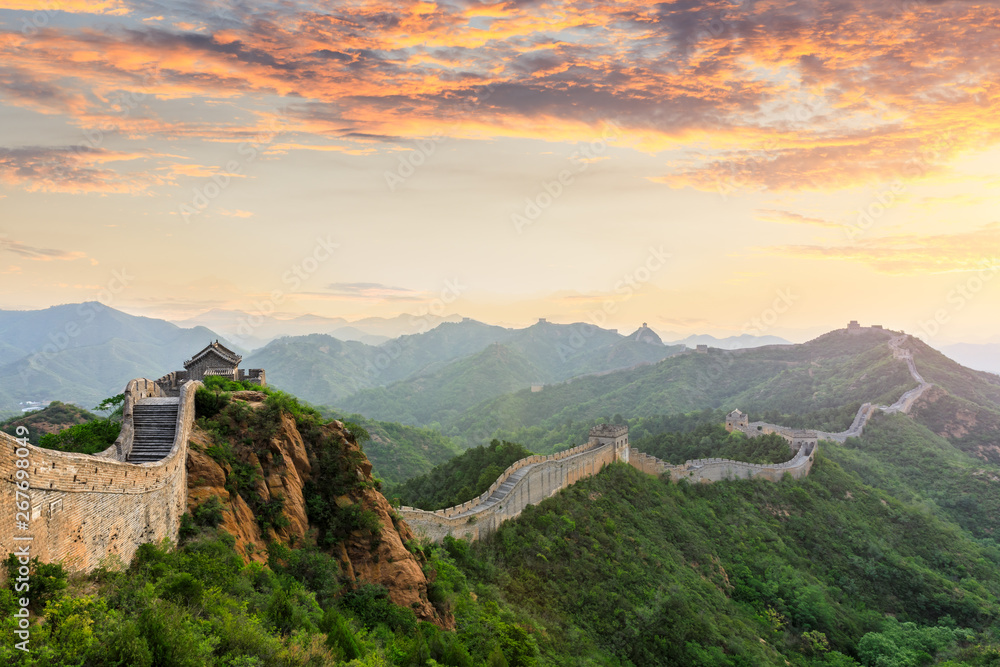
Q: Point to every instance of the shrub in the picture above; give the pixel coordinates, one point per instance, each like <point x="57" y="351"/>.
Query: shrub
<point x="209" y="403"/>
<point x="371" y="605"/>
<point x="209" y="513"/>
<point x="89" y="438"/>
<point x="47" y="579"/>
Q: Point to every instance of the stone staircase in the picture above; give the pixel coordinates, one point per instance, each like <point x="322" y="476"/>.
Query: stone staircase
<point x="155" y="422"/>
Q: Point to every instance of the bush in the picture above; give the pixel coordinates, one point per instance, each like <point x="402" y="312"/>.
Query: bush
<point x="89" y="438"/>
<point x="209" y="513"/>
<point x="46" y="579"/>
<point x="371" y="605"/>
<point x="208" y="403"/>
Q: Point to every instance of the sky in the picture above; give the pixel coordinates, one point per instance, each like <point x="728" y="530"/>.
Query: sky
<point x="762" y="167"/>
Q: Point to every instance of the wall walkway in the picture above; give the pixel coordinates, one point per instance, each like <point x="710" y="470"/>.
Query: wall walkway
<point x="84" y="508"/>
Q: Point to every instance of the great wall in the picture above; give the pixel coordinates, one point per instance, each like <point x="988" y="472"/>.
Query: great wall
<point x="86" y="508"/>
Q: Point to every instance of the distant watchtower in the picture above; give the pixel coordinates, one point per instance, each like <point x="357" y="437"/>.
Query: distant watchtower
<point x="737" y="421"/>
<point x="617" y="434"/>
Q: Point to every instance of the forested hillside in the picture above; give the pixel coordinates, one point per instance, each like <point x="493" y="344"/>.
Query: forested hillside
<point x="819" y="384"/>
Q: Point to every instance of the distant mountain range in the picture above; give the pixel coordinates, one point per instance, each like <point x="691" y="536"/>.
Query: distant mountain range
<point x="731" y="342"/>
<point x="981" y="356"/>
<point x="83" y="353"/>
<point x="251" y="331"/>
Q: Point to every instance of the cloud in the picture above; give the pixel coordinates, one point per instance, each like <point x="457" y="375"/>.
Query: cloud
<point x="34" y="253"/>
<point x="974" y="250"/>
<point x="373" y="292"/>
<point x="790" y="218"/>
<point x="71" y="170"/>
<point x="804" y="94"/>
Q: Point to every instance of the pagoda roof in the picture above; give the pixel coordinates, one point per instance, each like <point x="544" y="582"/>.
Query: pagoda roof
<point x="219" y="350"/>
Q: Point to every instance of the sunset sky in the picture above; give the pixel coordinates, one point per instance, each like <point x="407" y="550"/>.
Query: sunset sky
<point x="714" y="167"/>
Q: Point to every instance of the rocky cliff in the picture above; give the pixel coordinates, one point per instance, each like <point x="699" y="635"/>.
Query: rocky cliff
<point x="279" y="469"/>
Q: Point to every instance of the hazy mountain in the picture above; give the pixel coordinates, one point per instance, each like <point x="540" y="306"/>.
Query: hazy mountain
<point x="353" y="333"/>
<point x="731" y="342"/>
<point x="818" y="384"/>
<point x="446" y="392"/>
<point x="539" y="354"/>
<point x="251" y="330"/>
<point x="402" y="325"/>
<point x="981" y="356"/>
<point x="318" y="368"/>
<point x="83" y="353"/>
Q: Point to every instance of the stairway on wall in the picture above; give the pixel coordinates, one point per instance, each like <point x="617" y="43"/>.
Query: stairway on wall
<point x="155" y="422"/>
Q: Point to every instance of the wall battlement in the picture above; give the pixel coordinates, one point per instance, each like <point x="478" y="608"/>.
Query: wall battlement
<point x="85" y="508"/>
<point x="717" y="470"/>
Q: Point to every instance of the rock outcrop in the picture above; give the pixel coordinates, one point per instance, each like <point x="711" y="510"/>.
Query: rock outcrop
<point x="283" y="470"/>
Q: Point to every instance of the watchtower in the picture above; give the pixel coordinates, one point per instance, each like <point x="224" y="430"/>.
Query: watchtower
<point x="737" y="421"/>
<point x="617" y="434"/>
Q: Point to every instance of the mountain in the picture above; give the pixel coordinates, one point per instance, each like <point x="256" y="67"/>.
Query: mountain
<point x="253" y="330"/>
<point x="53" y="418"/>
<point x="402" y="325"/>
<point x="731" y="342"/>
<point x="399" y="452"/>
<point x="885" y="555"/>
<point x="539" y="354"/>
<point x="83" y="353"/>
<point x="353" y="333"/>
<point x="981" y="356"/>
<point x="318" y="367"/>
<point x="444" y="393"/>
<point x="819" y="384"/>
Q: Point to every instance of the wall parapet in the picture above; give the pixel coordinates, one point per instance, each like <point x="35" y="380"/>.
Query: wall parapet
<point x="84" y="508"/>
<point x="715" y="470"/>
<point x="525" y="482"/>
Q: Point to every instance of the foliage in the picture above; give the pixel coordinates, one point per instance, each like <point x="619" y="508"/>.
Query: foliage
<point x="397" y="451"/>
<point x="712" y="440"/>
<point x="54" y="417"/>
<point x="91" y="436"/>
<point x="461" y="479"/>
<point x="113" y="406"/>
<point x="45" y="580"/>
<point x="817" y="385"/>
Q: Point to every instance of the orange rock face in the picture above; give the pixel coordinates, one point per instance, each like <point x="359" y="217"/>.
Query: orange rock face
<point x="284" y="470"/>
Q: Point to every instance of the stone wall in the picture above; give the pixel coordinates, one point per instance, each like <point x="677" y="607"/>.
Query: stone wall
<point x="540" y="477"/>
<point x="84" y="508"/>
<point x="717" y="470"/>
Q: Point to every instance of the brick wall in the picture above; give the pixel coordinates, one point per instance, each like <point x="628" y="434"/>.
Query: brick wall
<point x="84" y="508"/>
<point x="547" y="475"/>
<point x="717" y="470"/>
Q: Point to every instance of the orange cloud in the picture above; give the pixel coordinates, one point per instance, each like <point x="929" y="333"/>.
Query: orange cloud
<point x="975" y="250"/>
<point x="748" y="97"/>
